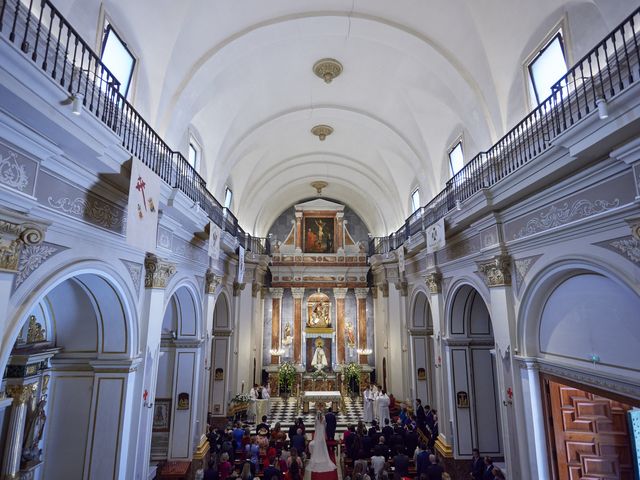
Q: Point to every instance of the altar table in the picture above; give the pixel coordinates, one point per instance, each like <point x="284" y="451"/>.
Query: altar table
<point x="332" y="397"/>
<point x="262" y="408"/>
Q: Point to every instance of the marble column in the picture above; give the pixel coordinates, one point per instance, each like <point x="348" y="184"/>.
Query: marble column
<point x="297" y="293"/>
<point x="298" y="232"/>
<point x="340" y="294"/>
<point x="361" y="298"/>
<point x="340" y="230"/>
<point x="15" y="431"/>
<point x="276" y="303"/>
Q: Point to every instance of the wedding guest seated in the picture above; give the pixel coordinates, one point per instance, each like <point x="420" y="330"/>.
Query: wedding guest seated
<point x="387" y="430"/>
<point x="271" y="472"/>
<point x="382" y="449"/>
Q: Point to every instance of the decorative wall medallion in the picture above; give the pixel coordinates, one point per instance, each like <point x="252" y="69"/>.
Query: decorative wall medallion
<point x="628" y="247"/>
<point x="135" y="270"/>
<point x="522" y="267"/>
<point x="561" y="215"/>
<point x="12" y="173"/>
<point x="32" y="257"/>
<point x="327" y="69"/>
<point x="497" y="272"/>
<point x="89" y="209"/>
<point x="322" y="131"/>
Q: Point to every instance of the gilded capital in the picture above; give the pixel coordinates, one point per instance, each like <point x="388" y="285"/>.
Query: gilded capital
<point x="362" y="293"/>
<point x="13" y="237"/>
<point x="237" y="288"/>
<point x="635" y="228"/>
<point x="157" y="272"/>
<point x="21" y="393"/>
<point x="434" y="282"/>
<point x="211" y="282"/>
<point x="497" y="271"/>
<point x="297" y="293"/>
<point x="340" y="293"/>
<point x="276" y="292"/>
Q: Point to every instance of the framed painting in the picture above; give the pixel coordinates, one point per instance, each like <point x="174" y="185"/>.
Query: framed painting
<point x="318" y="235"/>
<point x="162" y="415"/>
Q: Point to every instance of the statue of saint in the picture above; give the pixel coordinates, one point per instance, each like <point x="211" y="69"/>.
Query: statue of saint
<point x="351" y="335"/>
<point x="319" y="360"/>
<point x="287" y="337"/>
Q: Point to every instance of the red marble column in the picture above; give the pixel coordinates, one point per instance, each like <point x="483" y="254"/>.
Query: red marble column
<point x="340" y="294"/>
<point x="297" y="293"/>
<point x="361" y="297"/>
<point x="276" y="302"/>
<point x="299" y="232"/>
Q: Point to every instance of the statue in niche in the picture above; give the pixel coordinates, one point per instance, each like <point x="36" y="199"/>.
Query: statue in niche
<point x="319" y="360"/>
<point x="33" y="433"/>
<point x="351" y="335"/>
<point x="287" y="338"/>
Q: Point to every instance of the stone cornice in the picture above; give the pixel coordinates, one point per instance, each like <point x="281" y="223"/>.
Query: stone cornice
<point x="157" y="272"/>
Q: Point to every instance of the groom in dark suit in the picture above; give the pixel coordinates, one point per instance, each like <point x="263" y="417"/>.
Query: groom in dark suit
<point x="330" y="419"/>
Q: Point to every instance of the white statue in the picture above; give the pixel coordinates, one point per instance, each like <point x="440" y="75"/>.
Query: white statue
<point x="319" y="360"/>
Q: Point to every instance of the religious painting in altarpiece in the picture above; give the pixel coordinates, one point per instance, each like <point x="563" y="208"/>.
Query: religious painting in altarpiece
<point x="318" y="235"/>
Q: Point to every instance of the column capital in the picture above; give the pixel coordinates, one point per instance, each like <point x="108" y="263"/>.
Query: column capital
<point x="297" y="292"/>
<point x="634" y="225"/>
<point x="299" y="214"/>
<point x="21" y="393"/>
<point x="211" y="282"/>
<point x="403" y="287"/>
<point x="13" y="237"/>
<point x="497" y="271"/>
<point x="434" y="282"/>
<point x="158" y="272"/>
<point x="237" y="288"/>
<point x="256" y="288"/>
<point x="384" y="289"/>
<point x="276" y="292"/>
<point x="340" y="293"/>
<point x="362" y="293"/>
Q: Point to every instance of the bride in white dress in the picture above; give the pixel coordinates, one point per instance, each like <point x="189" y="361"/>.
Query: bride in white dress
<point x="320" y="460"/>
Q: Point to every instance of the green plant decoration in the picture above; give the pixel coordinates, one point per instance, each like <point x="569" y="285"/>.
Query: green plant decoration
<point x="286" y="377"/>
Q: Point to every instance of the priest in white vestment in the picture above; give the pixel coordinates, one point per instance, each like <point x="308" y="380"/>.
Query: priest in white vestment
<point x="253" y="396"/>
<point x="368" y="404"/>
<point x="383" y="404"/>
<point x="376" y="404"/>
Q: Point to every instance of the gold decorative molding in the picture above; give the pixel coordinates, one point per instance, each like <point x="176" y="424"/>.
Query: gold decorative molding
<point x="13" y="237"/>
<point x="318" y="185"/>
<point x="497" y="271"/>
<point x="322" y="131"/>
<point x="35" y="333"/>
<point x="434" y="282"/>
<point x="202" y="449"/>
<point x="237" y="288"/>
<point x="211" y="282"/>
<point x="21" y="393"/>
<point x="327" y="69"/>
<point x="443" y="448"/>
<point x="157" y="272"/>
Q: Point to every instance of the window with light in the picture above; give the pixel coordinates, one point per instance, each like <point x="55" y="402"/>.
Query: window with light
<point x="117" y="58"/>
<point x="547" y="67"/>
<point x="415" y="200"/>
<point x="456" y="159"/>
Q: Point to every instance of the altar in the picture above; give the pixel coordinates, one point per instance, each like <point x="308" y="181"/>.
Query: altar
<point x="333" y="397"/>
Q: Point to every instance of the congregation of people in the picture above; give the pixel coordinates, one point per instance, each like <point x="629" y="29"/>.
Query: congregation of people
<point x="391" y="442"/>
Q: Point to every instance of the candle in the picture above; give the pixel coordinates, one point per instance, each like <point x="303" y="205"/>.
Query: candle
<point x="242" y="391"/>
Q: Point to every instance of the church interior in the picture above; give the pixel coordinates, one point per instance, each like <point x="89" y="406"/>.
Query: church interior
<point x="236" y="214"/>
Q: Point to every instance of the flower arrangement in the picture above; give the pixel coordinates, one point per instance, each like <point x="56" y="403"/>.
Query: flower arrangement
<point x="319" y="375"/>
<point x="351" y="373"/>
<point x="286" y="377"/>
<point x="241" y="398"/>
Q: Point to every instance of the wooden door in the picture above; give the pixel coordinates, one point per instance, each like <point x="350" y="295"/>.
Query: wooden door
<point x="590" y="435"/>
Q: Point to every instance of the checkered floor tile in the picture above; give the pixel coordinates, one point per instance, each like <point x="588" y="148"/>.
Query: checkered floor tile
<point x="286" y="412"/>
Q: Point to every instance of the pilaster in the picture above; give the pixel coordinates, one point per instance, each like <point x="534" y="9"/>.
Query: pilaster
<point x="298" y="294"/>
<point x="361" y="300"/>
<point x="21" y="394"/>
<point x="276" y="304"/>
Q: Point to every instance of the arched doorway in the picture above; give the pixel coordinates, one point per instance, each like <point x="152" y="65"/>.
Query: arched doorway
<point x="422" y="351"/>
<point x="176" y="395"/>
<point x="74" y="353"/>
<point x="473" y="382"/>
<point x="220" y="358"/>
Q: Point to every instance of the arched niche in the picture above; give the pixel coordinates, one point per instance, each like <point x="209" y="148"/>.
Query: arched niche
<point x="589" y="317"/>
<point x="220" y="379"/>
<point x="85" y="314"/>
<point x="474" y="383"/>
<point x="181" y="315"/>
<point x="422" y="350"/>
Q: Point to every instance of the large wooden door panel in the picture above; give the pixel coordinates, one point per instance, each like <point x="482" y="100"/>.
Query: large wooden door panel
<point x="590" y="435"/>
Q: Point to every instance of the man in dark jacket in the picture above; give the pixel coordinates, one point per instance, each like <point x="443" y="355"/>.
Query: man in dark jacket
<point x="330" y="419"/>
<point x="477" y="465"/>
<point x="422" y="461"/>
<point x="299" y="442"/>
<point x="487" y="473"/>
<point x="434" y="470"/>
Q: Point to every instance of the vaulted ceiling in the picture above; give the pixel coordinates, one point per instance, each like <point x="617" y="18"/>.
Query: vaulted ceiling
<point x="238" y="75"/>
